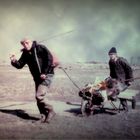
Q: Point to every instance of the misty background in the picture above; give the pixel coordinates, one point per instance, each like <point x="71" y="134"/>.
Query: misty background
<point x="75" y="30"/>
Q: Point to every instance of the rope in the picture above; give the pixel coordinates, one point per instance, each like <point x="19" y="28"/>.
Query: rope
<point x="12" y="105"/>
<point x="69" y="78"/>
<point x="132" y="79"/>
<point x="57" y="35"/>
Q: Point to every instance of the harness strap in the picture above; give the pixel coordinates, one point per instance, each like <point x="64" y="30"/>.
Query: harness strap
<point x="37" y="60"/>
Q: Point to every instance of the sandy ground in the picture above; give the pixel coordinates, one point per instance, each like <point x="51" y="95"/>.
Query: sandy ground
<point x="19" y="114"/>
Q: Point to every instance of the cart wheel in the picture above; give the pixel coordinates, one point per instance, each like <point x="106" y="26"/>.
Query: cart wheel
<point x="133" y="102"/>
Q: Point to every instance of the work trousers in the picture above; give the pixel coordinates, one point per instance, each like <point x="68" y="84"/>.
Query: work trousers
<point x="41" y="91"/>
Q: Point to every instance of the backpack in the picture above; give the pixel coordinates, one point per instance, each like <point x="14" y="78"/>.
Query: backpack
<point x="55" y="60"/>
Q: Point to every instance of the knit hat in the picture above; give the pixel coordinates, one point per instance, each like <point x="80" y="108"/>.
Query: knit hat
<point x="112" y="50"/>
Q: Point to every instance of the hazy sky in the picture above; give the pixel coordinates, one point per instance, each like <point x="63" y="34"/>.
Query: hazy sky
<point x="76" y="30"/>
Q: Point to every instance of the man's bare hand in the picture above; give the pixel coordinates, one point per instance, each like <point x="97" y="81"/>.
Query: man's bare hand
<point x="13" y="58"/>
<point x="43" y="76"/>
<point x="129" y="83"/>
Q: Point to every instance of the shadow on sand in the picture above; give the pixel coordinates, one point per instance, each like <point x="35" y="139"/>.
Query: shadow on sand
<point x="20" y="113"/>
<point x="77" y="111"/>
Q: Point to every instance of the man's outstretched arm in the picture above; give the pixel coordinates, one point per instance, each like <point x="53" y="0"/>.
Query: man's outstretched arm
<point x="18" y="63"/>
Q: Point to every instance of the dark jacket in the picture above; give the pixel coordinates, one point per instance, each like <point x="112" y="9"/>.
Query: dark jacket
<point x="121" y="70"/>
<point x="45" y="60"/>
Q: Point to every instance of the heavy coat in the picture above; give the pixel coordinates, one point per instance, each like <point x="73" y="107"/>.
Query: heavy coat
<point x="45" y="60"/>
<point x="121" y="70"/>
